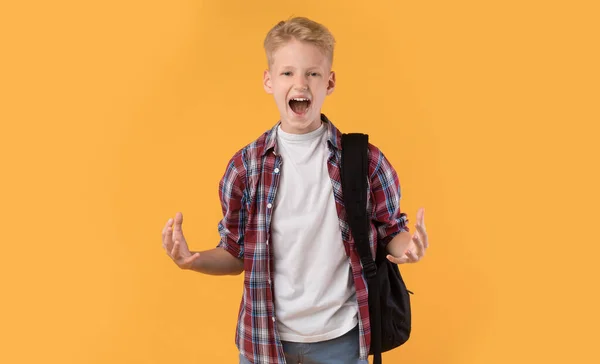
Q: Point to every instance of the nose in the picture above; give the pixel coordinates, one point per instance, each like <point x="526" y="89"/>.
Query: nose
<point x="301" y="83"/>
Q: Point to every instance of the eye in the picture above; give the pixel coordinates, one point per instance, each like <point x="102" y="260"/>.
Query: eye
<point x="288" y="73"/>
<point x="314" y="74"/>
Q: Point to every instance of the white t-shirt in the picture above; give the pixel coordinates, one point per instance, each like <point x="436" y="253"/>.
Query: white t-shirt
<point x="315" y="298"/>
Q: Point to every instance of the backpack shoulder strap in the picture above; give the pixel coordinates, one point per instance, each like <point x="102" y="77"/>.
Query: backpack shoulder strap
<point x="354" y="175"/>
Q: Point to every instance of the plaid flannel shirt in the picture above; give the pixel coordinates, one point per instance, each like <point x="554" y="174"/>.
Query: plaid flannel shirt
<point x="247" y="193"/>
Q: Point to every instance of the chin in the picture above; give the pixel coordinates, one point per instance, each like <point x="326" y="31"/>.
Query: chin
<point x="303" y="125"/>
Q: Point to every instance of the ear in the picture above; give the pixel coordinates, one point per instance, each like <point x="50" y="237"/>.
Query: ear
<point x="331" y="83"/>
<point x="267" y="84"/>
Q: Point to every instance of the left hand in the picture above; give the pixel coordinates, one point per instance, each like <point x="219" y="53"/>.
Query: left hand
<point x="418" y="244"/>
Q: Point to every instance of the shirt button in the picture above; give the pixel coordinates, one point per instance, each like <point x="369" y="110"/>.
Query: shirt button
<point x="276" y="170"/>
<point x="267" y="242"/>
<point x="269" y="281"/>
<point x="269" y="206"/>
<point x="273" y="318"/>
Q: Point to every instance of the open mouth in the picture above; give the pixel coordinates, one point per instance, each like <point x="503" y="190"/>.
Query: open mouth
<point x="299" y="105"/>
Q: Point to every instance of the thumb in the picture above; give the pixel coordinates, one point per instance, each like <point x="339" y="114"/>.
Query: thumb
<point x="191" y="259"/>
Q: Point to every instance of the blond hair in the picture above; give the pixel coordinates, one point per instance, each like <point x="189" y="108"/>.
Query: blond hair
<point x="301" y="29"/>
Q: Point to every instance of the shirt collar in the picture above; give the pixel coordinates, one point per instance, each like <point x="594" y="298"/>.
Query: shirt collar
<point x="333" y="136"/>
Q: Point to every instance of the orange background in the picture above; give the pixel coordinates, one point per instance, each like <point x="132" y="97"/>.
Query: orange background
<point x="116" y="114"/>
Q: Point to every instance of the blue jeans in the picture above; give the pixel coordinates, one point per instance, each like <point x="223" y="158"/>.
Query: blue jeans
<point x="341" y="350"/>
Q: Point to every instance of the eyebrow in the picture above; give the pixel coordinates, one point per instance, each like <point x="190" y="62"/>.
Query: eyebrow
<point x="311" y="68"/>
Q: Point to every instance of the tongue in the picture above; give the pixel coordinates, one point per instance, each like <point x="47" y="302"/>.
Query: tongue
<point x="299" y="107"/>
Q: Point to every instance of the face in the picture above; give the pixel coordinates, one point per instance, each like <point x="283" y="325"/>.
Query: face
<point x="299" y="79"/>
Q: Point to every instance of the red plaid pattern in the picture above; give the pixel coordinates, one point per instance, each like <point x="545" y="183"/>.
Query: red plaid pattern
<point x="247" y="192"/>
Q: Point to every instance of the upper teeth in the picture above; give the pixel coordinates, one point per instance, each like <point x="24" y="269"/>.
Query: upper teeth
<point x="299" y="99"/>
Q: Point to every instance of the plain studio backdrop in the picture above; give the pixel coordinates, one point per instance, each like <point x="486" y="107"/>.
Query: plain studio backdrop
<point x="116" y="114"/>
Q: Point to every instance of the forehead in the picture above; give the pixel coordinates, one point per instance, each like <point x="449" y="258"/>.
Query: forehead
<point x="299" y="54"/>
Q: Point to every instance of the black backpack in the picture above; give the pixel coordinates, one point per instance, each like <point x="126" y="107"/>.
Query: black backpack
<point x="389" y="300"/>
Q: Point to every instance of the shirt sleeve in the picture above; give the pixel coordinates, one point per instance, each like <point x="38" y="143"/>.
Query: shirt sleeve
<point x="232" y="196"/>
<point x="386" y="216"/>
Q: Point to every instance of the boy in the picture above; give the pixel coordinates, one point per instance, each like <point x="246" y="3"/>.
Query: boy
<point x="305" y="297"/>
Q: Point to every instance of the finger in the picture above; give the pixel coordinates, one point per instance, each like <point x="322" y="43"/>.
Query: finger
<point x="412" y="257"/>
<point x="419" y="245"/>
<point x="167" y="225"/>
<point x="175" y="252"/>
<point x="421" y="216"/>
<point x="400" y="260"/>
<point x="168" y="239"/>
<point x="423" y="235"/>
<point x="164" y="233"/>
<point x="178" y="222"/>
<point x="177" y="228"/>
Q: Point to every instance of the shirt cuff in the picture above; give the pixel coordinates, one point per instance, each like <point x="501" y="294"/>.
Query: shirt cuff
<point x="233" y="249"/>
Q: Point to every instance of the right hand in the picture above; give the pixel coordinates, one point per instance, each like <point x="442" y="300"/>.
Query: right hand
<point x="175" y="245"/>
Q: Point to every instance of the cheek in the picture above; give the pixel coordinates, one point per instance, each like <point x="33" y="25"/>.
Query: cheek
<point x="280" y="89"/>
<point x="321" y="86"/>
<point x="320" y="93"/>
<point x="280" y="95"/>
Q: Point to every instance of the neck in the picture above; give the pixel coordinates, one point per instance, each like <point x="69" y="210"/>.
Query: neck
<point x="300" y="128"/>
